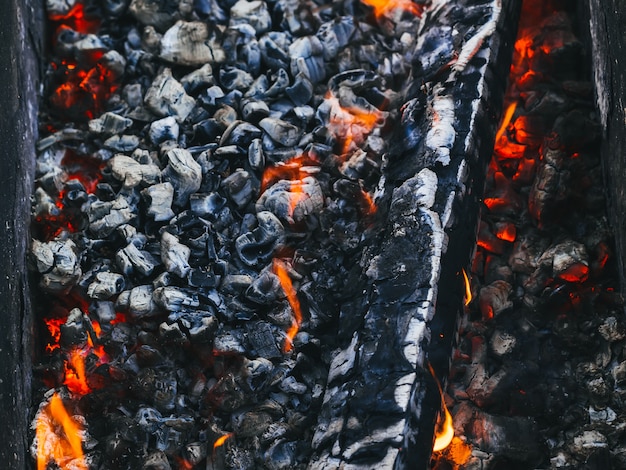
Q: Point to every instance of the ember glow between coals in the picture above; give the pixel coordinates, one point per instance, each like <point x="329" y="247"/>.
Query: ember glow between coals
<point x="529" y="203"/>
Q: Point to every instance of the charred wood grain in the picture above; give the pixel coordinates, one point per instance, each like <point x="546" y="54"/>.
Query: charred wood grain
<point x="20" y="42"/>
<point x="381" y="402"/>
<point x="606" y="19"/>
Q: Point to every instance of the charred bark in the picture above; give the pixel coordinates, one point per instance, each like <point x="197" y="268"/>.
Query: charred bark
<point x="20" y="40"/>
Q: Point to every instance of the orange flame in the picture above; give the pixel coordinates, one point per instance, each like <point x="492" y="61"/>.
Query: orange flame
<point x="289" y="170"/>
<point x="54" y="327"/>
<point x="75" y="377"/>
<point x="221" y="440"/>
<point x="368" y="204"/>
<point x="280" y="269"/>
<point x="506" y="119"/>
<point x="444" y="430"/>
<point x="351" y="125"/>
<point x="382" y="7"/>
<point x="468" y="288"/>
<point x="63" y="448"/>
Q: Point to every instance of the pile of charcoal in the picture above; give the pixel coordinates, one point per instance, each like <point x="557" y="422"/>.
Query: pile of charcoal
<point x="538" y="378"/>
<point x="230" y="195"/>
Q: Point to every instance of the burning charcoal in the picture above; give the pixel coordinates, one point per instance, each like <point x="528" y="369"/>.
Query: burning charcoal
<point x="280" y="131"/>
<point x="106" y="285"/>
<point x="184" y="173"/>
<point x="494" y="299"/>
<point x="159" y="198"/>
<point x="253" y="13"/>
<point x="122" y="143"/>
<point x="254" y="111"/>
<point x="281" y="455"/>
<point x="527" y="249"/>
<point x="259" y="245"/>
<point x="156" y="461"/>
<point x="59" y="8"/>
<point x="189" y="43"/>
<point x="502" y="343"/>
<point x="44" y="205"/>
<point x="262" y="340"/>
<point x="265" y="289"/>
<point x="74" y="331"/>
<point x="293" y="200"/>
<point x="105" y="217"/>
<point x="133" y="173"/>
<point x="301" y="91"/>
<point x="274" y="51"/>
<point x="131" y="260"/>
<point x="240" y="133"/>
<point x="58" y="263"/>
<point x="173" y="299"/>
<point x="335" y="35"/>
<point x="195" y="452"/>
<point x="307" y="59"/>
<point x="250" y="423"/>
<point x="138" y="301"/>
<point x="198" y="79"/>
<point x="513" y="437"/>
<point x="228" y="343"/>
<point x="175" y="255"/>
<point x="110" y="123"/>
<point x="567" y="260"/>
<point x="240" y="187"/>
<point x="257" y="373"/>
<point x="164" y="129"/>
<point x="150" y="40"/>
<point x="172" y="333"/>
<point x="203" y="330"/>
<point x="233" y="78"/>
<point x="167" y="97"/>
<point x="551" y="181"/>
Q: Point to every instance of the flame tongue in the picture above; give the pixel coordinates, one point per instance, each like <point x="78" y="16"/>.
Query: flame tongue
<point x="444" y="431"/>
<point x="58" y="437"/>
<point x="383" y="7"/>
<point x="280" y="269"/>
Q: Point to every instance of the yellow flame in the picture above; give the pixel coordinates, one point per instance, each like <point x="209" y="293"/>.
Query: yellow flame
<point x="381" y="7"/>
<point x="468" y="288"/>
<point x="221" y="440"/>
<point x="444" y="430"/>
<point x="51" y="445"/>
<point x="506" y="119"/>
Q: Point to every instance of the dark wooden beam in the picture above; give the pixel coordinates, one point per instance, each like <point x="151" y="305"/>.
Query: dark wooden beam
<point x="20" y="39"/>
<point x="606" y="20"/>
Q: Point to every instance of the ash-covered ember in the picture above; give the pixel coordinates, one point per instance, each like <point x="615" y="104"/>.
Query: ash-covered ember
<point x="534" y="378"/>
<point x="212" y="177"/>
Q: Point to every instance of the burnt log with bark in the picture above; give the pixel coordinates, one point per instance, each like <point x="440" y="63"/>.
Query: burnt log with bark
<point x="21" y="33"/>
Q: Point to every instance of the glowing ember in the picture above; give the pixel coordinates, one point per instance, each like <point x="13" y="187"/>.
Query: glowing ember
<point x="468" y="288"/>
<point x="280" y="269"/>
<point x="76" y="20"/>
<point x="352" y="125"/>
<point x="54" y="327"/>
<point x="292" y="169"/>
<point x="75" y="378"/>
<point x="58" y="437"/>
<point x="382" y="7"/>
